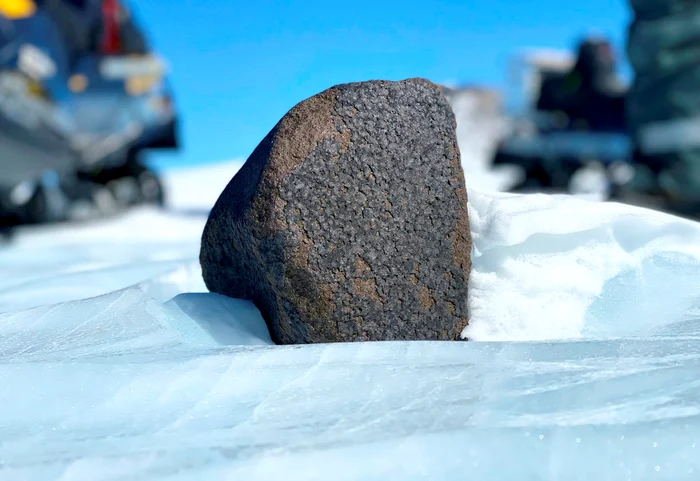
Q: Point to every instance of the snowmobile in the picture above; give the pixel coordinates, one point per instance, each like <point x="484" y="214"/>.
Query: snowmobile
<point x="570" y="135"/>
<point x="663" y="105"/>
<point x="81" y="98"/>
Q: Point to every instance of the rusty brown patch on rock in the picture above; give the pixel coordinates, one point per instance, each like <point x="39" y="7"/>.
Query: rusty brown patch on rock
<point x="461" y="238"/>
<point x="340" y="276"/>
<point x="278" y="222"/>
<point x="361" y="265"/>
<point x="359" y="322"/>
<point x="314" y="302"/>
<point x="344" y="137"/>
<point x="426" y="297"/>
<point x="462" y="243"/>
<point x="300" y="131"/>
<point x="304" y="246"/>
<point x="294" y="137"/>
<point x="451" y="308"/>
<point x="326" y="294"/>
<point x="460" y="327"/>
<point x="367" y="288"/>
<point x="413" y="279"/>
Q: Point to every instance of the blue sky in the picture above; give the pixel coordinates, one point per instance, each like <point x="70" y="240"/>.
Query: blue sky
<point x="238" y="67"/>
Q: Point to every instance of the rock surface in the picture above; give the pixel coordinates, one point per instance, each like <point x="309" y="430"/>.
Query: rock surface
<point x="349" y="220"/>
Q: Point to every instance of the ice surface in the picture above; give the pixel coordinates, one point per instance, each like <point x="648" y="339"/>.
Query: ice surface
<point x="48" y="266"/>
<point x="139" y="393"/>
<point x="116" y="364"/>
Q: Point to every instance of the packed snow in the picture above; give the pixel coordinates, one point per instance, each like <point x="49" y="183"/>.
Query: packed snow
<point x="583" y="361"/>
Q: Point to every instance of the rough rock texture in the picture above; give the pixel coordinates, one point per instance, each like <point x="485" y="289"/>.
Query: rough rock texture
<point x="349" y="220"/>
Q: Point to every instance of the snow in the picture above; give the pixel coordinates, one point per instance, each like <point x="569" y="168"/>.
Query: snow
<point x="116" y="363"/>
<point x="209" y="182"/>
<point x="560" y="267"/>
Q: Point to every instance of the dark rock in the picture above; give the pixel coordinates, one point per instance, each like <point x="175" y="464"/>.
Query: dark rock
<point x="349" y="220"/>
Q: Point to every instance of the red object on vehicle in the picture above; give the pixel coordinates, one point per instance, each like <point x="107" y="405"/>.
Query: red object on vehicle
<point x="111" y="38"/>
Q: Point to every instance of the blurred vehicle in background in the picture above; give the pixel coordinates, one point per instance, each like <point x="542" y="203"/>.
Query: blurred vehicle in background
<point x="82" y="96"/>
<point x="663" y="105"/>
<point x="570" y="133"/>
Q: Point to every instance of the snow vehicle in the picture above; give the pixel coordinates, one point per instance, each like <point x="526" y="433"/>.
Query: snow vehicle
<point x="81" y="98"/>
<point x="663" y="106"/>
<point x="568" y="131"/>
